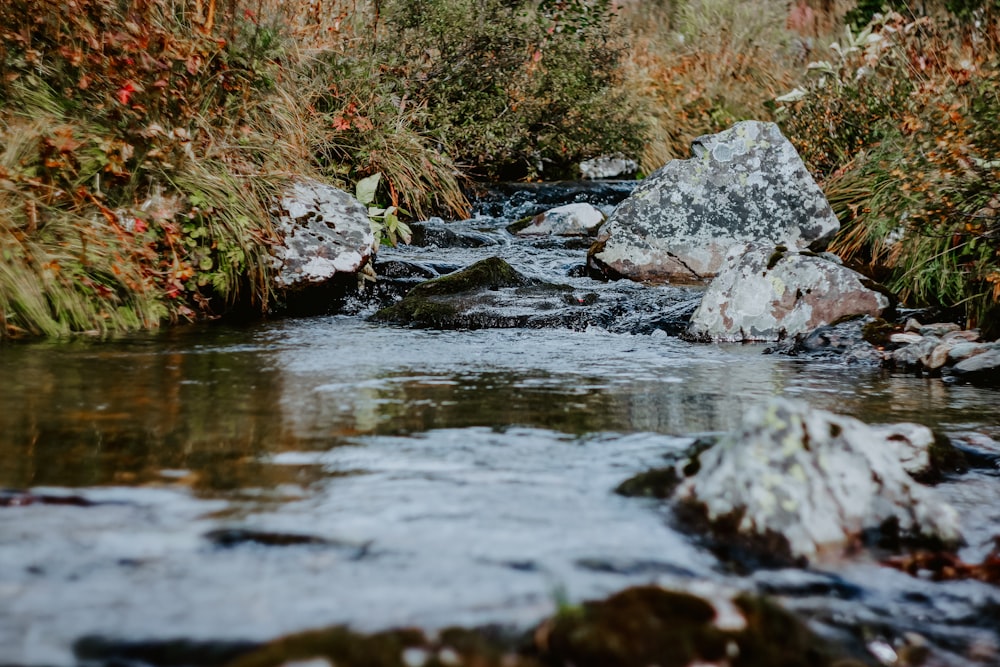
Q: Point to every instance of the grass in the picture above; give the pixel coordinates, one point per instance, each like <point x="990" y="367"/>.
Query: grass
<point x="699" y="66"/>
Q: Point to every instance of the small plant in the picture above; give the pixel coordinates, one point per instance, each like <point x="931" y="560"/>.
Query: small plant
<point x="385" y="221"/>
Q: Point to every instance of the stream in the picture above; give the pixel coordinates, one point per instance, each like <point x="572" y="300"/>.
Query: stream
<point x="234" y="483"/>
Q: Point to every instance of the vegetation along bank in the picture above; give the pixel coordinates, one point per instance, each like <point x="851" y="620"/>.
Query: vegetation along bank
<point x="142" y="142"/>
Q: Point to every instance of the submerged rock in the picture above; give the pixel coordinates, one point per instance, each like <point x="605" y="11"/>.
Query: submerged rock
<point x="746" y="184"/>
<point x="491" y="294"/>
<point x="436" y="232"/>
<point x="325" y="233"/>
<point x="849" y="341"/>
<point x="817" y="481"/>
<point x="767" y="294"/>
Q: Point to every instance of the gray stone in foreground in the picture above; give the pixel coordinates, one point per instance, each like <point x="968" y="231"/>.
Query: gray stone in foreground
<point x="767" y="294"/>
<point x="325" y="233"/>
<point x="746" y="184"/>
<point x="818" y="479"/>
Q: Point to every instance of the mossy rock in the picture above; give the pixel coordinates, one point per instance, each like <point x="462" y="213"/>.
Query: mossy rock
<point x="652" y="626"/>
<point x="424" y="306"/>
<point x="637" y="627"/>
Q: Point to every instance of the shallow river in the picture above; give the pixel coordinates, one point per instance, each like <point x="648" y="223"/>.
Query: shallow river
<point x="239" y="483"/>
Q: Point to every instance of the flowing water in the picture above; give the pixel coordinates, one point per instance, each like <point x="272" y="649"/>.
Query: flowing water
<point x="226" y="483"/>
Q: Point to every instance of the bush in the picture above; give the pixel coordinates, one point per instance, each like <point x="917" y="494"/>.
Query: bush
<point x="902" y="127"/>
<point x="512" y="92"/>
<point x="699" y="66"/>
<point x="129" y="158"/>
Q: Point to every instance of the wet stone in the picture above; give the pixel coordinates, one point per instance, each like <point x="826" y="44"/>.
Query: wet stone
<point x="817" y="480"/>
<point x="436" y="232"/>
<point x="981" y="369"/>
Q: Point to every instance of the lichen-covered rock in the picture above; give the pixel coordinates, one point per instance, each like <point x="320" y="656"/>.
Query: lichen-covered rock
<point x="746" y="184"/>
<point x="766" y="294"/>
<point x="325" y="232"/>
<point x="579" y="219"/>
<point x="818" y="480"/>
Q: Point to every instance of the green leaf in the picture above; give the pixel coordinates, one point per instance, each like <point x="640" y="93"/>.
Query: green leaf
<point x="366" y="187"/>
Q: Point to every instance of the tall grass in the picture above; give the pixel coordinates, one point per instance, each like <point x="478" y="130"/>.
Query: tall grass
<point x="901" y="124"/>
<point x="698" y="66"/>
<point x="143" y="142"/>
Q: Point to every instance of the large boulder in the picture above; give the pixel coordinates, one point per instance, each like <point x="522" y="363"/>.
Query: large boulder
<point x="818" y="480"/>
<point x="743" y="185"/>
<point x="325" y="234"/>
<point x="766" y="294"/>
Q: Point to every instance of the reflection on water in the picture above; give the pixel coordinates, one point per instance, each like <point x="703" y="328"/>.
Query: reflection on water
<point x="212" y="401"/>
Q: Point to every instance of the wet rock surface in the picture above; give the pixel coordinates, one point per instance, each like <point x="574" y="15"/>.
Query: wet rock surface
<point x="764" y="293"/>
<point x="746" y="184"/>
<point x="579" y="219"/>
<point x="818" y="481"/>
<point x="637" y="627"/>
<point x="491" y="294"/>
<point x="514" y="201"/>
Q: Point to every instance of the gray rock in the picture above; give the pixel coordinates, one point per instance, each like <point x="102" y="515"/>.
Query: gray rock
<point x="325" y="232"/>
<point x="939" y="329"/>
<point x="818" y="480"/>
<point x="580" y="219"/>
<point x="743" y="185"/>
<point x="968" y="335"/>
<point x="766" y="294"/>
<point x="915" y="354"/>
<point x="982" y="368"/>
<point x="938" y="356"/>
<point x="963" y="350"/>
<point x="608" y="166"/>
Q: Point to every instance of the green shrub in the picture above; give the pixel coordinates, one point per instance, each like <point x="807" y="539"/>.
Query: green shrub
<point x="901" y="126"/>
<point x="509" y="91"/>
<point x="132" y="182"/>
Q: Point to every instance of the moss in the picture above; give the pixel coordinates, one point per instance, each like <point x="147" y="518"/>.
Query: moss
<point x="877" y="332"/>
<point x="423" y="306"/>
<point x="776" y="256"/>
<point x="492" y="273"/>
<point x="518" y="225"/>
<point x="637" y="627"/>
<point x="340" y="645"/>
<point x="648" y="625"/>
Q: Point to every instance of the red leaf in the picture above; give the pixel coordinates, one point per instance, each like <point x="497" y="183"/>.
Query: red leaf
<point x="124" y="93"/>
